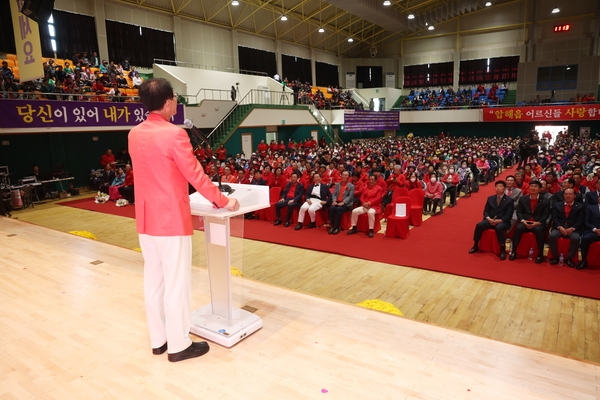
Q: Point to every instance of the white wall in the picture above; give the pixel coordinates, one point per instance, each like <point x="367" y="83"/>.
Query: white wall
<point x="265" y="117"/>
<point x="189" y="81"/>
<point x="425" y="117"/>
<point x="389" y="94"/>
<point x="208" y="113"/>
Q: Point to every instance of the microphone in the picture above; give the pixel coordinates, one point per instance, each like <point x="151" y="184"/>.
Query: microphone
<point x="198" y="136"/>
<point x="223" y="188"/>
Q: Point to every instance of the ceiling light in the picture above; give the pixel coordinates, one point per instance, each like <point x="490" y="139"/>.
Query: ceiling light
<point x="387" y="3"/>
<point x="431" y="27"/>
<point x="488" y="4"/>
<point x="411" y="16"/>
<point x="283" y="18"/>
<point x="321" y="30"/>
<point x="555" y="10"/>
<point x="235" y="3"/>
<point x="350" y="40"/>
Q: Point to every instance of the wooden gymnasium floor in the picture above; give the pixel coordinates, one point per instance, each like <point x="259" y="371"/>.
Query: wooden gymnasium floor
<point x="68" y="326"/>
<point x="72" y="326"/>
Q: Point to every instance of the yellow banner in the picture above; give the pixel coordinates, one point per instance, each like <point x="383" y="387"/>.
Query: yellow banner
<point x="29" y="48"/>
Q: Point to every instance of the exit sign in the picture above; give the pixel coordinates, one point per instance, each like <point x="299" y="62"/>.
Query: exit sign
<point x="562" y="28"/>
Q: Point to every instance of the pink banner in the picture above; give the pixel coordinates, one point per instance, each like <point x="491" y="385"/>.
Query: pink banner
<point x="579" y="112"/>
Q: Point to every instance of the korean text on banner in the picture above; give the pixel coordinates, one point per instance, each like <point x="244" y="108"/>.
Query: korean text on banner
<point x="27" y="40"/>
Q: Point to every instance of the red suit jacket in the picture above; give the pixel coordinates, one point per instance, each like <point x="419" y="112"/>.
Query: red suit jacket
<point x="164" y="164"/>
<point x="372" y="195"/>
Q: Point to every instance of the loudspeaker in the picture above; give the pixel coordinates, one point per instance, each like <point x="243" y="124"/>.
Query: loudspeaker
<point x="38" y="10"/>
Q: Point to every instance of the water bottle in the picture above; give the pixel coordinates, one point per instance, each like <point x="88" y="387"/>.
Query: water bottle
<point x="561" y="260"/>
<point x="530" y="253"/>
<point x="509" y="246"/>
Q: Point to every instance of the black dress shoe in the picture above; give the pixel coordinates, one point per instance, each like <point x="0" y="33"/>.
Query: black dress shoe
<point x="278" y="222"/>
<point x="571" y="264"/>
<point x="286" y="224"/>
<point x="352" y="231"/>
<point x="160" y="350"/>
<point x="512" y="256"/>
<point x="473" y="249"/>
<point x="503" y="255"/>
<point x="553" y="261"/>
<point x="582" y="265"/>
<point x="539" y="259"/>
<point x="335" y="231"/>
<point x="298" y="227"/>
<point x="371" y="233"/>
<point x="196" y="349"/>
<point x="330" y="231"/>
<point x="312" y="225"/>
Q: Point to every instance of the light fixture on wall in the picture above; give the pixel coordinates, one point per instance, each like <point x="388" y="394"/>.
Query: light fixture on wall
<point x="411" y="16"/>
<point x="555" y="10"/>
<point x="387" y="3"/>
<point x="235" y="3"/>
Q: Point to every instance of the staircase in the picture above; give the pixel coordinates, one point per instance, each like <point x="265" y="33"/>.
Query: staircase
<point x="229" y="124"/>
<point x="324" y="124"/>
<point x="398" y="103"/>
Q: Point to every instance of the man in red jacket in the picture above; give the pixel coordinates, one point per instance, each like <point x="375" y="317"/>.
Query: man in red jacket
<point x="370" y="203"/>
<point x="165" y="163"/>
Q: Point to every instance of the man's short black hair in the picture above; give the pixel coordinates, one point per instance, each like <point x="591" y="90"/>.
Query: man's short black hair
<point x="537" y="183"/>
<point x="155" y="92"/>
<point x="500" y="183"/>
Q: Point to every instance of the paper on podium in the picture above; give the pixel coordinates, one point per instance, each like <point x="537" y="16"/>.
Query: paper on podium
<point x="250" y="197"/>
<point x="401" y="210"/>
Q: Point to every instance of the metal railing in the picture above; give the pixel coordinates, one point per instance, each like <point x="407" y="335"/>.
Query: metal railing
<point x="208" y="67"/>
<point x="268" y="97"/>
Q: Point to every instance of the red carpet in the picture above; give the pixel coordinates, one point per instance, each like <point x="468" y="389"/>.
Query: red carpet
<point x="440" y="244"/>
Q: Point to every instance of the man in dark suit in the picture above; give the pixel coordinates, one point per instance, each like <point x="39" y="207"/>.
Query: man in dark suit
<point x="567" y="222"/>
<point x="559" y="196"/>
<point x="291" y="197"/>
<point x="591" y="197"/>
<point x="532" y="212"/>
<point x="497" y="214"/>
<point x="591" y="231"/>
<point x="341" y="202"/>
<point x="317" y="195"/>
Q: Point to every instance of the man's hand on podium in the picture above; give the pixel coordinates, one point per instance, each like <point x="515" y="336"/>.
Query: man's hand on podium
<point x="233" y="204"/>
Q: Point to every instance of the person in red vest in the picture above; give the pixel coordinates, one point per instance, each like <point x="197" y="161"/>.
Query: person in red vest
<point x="241" y="177"/>
<point x="273" y="146"/>
<point x="281" y="147"/>
<point x="268" y="176"/>
<point x="370" y="200"/>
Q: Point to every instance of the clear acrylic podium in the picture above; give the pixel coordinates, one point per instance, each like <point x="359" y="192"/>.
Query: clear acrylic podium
<point x="220" y="321"/>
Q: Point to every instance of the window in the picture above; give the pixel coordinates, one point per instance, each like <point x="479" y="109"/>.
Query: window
<point x="558" y="77"/>
<point x="488" y="70"/>
<point x="440" y="74"/>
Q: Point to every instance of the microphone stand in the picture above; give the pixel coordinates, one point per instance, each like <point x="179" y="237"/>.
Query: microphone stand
<point x="223" y="188"/>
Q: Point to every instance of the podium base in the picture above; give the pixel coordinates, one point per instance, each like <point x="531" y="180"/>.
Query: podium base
<point x="221" y="330"/>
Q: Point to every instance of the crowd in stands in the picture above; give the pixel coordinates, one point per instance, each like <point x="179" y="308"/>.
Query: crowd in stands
<point x="428" y="99"/>
<point x="578" y="99"/>
<point x="83" y="77"/>
<point x="115" y="179"/>
<point x="329" y="98"/>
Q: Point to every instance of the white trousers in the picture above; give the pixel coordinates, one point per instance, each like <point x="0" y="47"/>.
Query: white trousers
<point x="361" y="210"/>
<point x="168" y="289"/>
<point x="312" y="210"/>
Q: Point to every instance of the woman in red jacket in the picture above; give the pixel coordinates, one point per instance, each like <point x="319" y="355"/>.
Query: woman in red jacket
<point x="433" y="194"/>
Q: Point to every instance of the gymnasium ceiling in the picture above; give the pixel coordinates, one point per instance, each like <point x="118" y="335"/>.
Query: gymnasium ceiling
<point x="369" y="23"/>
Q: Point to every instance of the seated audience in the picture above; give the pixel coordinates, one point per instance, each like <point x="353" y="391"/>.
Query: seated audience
<point x="126" y="190"/>
<point x="370" y="204"/>
<point x="433" y="195"/>
<point x="113" y="190"/>
<point x="567" y="222"/>
<point x="317" y="196"/>
<point x="532" y="213"/>
<point x="342" y="202"/>
<point x="497" y="214"/>
<point x="290" y="197"/>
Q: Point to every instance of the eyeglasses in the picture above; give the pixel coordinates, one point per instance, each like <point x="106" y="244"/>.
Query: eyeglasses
<point x="175" y="96"/>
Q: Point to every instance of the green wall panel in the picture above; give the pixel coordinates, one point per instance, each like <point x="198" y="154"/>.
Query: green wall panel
<point x="76" y="151"/>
